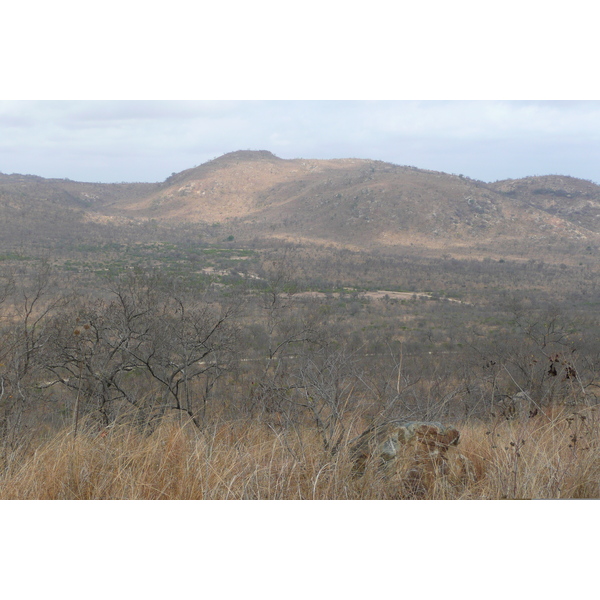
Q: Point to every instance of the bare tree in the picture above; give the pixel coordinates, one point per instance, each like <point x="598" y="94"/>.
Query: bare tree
<point x="151" y="331"/>
<point x="27" y="307"/>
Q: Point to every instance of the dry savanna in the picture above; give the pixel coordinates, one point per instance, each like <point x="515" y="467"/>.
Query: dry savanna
<point x="259" y="328"/>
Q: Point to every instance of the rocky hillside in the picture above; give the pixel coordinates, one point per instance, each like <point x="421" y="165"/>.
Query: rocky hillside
<point x="366" y="204"/>
<point x="571" y="199"/>
<point x="359" y="204"/>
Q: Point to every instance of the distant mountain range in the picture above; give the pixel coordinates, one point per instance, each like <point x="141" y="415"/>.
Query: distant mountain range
<point x="353" y="203"/>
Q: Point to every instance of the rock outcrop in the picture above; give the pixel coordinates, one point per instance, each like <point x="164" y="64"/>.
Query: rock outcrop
<point x="415" y="452"/>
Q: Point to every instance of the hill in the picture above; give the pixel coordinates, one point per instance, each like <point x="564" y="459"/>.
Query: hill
<point x="357" y="204"/>
<point x="366" y="204"/>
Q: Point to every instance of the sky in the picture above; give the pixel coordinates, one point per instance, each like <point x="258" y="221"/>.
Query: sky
<point x="494" y="91"/>
<point x="148" y="140"/>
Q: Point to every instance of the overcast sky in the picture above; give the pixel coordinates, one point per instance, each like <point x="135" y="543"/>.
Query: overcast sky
<point x="113" y="141"/>
<point x="321" y="80"/>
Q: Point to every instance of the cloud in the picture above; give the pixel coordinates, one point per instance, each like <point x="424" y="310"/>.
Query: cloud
<point x="148" y="140"/>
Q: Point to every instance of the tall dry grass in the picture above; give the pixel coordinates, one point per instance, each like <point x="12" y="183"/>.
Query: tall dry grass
<point x="554" y="455"/>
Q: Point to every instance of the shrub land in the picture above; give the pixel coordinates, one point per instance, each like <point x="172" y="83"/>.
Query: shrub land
<point x="250" y="374"/>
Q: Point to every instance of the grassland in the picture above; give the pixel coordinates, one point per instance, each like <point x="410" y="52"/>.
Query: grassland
<point x="553" y="456"/>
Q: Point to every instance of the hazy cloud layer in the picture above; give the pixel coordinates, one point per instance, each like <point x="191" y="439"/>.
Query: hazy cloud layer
<point x="148" y="140"/>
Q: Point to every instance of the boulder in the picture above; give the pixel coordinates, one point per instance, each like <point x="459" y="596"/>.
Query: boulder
<point x="414" y="451"/>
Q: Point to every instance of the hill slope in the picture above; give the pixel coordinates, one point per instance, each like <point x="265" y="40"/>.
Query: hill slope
<point x="354" y="203"/>
<point x="366" y="204"/>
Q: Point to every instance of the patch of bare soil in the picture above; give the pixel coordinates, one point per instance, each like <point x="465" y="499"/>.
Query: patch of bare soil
<point x="377" y="295"/>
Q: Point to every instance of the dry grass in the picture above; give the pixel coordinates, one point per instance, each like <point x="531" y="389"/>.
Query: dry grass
<point x="555" y="455"/>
